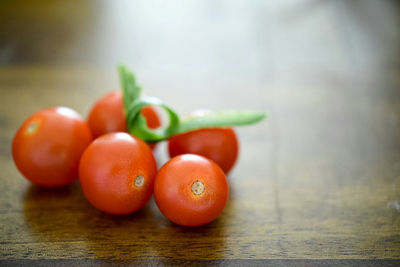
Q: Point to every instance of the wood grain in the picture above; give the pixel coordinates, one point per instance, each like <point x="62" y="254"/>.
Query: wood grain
<point x="317" y="183"/>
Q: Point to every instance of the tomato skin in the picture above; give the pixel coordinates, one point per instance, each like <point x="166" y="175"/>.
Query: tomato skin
<point x="173" y="190"/>
<point x="107" y="115"/>
<point x="152" y="119"/>
<point x="218" y="144"/>
<point x="47" y="147"/>
<point x="108" y="169"/>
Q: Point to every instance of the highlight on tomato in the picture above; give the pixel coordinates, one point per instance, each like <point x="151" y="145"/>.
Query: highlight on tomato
<point x="218" y="144"/>
<point x="191" y="190"/>
<point x="47" y="147"/>
<point x="117" y="172"/>
<point x="107" y="115"/>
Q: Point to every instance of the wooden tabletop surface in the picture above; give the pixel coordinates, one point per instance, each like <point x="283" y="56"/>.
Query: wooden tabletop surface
<point x="318" y="182"/>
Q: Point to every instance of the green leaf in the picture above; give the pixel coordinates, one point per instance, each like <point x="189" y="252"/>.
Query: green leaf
<point x="226" y="118"/>
<point x="130" y="90"/>
<point x="137" y="124"/>
<point x="138" y="127"/>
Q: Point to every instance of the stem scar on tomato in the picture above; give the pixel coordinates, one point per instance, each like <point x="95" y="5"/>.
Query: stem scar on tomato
<point x="117" y="192"/>
<point x="191" y="190"/>
<point x="139" y="181"/>
<point x="198" y="187"/>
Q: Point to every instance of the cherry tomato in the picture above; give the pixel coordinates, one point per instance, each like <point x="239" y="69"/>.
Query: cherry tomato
<point x="47" y="147"/>
<point x="219" y="144"/>
<point x="108" y="115"/>
<point x="191" y="190"/>
<point x="117" y="173"/>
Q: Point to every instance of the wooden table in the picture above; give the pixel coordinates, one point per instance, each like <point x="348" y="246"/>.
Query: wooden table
<point x="317" y="183"/>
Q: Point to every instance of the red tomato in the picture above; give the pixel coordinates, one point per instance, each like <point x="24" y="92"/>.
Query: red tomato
<point x="191" y="190"/>
<point x="219" y="144"/>
<point x="108" y="115"/>
<point x="117" y="173"/>
<point x="152" y="119"/>
<point x="47" y="147"/>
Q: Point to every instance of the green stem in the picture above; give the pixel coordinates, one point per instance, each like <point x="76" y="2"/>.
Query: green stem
<point x="137" y="125"/>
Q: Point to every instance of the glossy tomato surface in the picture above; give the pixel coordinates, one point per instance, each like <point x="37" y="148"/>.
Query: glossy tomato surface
<point x="107" y="115"/>
<point x="191" y="190"/>
<point x="117" y="173"/>
<point x="47" y="147"/>
<point x="218" y="144"/>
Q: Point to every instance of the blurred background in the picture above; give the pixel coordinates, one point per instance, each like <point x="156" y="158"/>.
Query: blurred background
<point x="326" y="71"/>
<point x="300" y="60"/>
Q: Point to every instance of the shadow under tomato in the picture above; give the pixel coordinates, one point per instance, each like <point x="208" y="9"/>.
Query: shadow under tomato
<point x="147" y="234"/>
<point x="125" y="237"/>
<point x="51" y="212"/>
<point x="64" y="215"/>
<point x="206" y="242"/>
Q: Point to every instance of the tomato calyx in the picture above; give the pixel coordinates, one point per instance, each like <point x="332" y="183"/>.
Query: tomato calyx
<point x="139" y="181"/>
<point x="198" y="187"/>
<point x="137" y="125"/>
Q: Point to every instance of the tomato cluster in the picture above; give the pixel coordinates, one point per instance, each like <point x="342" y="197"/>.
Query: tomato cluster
<point x="117" y="171"/>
